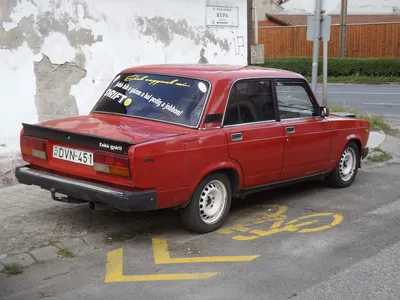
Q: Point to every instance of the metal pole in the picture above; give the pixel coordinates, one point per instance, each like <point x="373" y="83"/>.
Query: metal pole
<point x="317" y="36"/>
<point x="343" y="29"/>
<point x="255" y="26"/>
<point x="325" y="72"/>
<point x="249" y="29"/>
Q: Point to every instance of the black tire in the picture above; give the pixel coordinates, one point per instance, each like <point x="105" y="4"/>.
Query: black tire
<point x="191" y="214"/>
<point x="336" y="178"/>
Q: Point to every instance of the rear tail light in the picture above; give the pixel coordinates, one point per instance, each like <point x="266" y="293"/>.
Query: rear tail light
<point x="33" y="147"/>
<point x="111" y="164"/>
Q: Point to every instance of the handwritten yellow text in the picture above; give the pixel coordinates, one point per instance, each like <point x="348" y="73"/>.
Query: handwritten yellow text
<point x="146" y="78"/>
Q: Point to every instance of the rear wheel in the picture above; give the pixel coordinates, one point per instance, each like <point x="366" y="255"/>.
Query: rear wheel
<point x="347" y="167"/>
<point x="209" y="205"/>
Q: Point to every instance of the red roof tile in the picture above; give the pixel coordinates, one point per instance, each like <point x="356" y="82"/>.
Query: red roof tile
<point x="291" y="19"/>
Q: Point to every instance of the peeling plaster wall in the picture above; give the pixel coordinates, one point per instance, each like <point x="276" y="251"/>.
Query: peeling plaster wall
<point x="53" y="98"/>
<point x="58" y="56"/>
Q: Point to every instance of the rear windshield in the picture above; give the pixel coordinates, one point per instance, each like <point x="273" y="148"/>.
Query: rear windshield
<point x="178" y="100"/>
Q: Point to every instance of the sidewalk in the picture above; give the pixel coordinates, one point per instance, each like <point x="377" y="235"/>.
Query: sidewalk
<point x="35" y="226"/>
<point x="388" y="143"/>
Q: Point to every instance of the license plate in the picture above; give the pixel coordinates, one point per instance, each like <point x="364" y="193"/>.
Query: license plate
<point x="73" y="155"/>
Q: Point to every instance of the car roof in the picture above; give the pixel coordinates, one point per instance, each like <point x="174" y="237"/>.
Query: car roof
<point x="213" y="72"/>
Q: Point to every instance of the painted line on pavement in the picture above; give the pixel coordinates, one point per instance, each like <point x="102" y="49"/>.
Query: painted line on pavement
<point x="162" y="256"/>
<point x="243" y="231"/>
<point x="360" y="93"/>
<point x="247" y="232"/>
<point x="388" y="104"/>
<point x="114" y="272"/>
<point x="114" y="266"/>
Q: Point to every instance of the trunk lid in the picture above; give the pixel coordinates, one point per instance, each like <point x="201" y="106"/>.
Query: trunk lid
<point x="134" y="131"/>
<point x="71" y="143"/>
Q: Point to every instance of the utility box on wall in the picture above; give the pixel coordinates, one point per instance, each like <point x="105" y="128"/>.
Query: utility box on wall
<point x="257" y="54"/>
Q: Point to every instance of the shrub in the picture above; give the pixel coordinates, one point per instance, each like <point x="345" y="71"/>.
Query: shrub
<point x="384" y="67"/>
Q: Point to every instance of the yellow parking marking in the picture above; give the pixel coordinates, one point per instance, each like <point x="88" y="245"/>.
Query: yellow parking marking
<point x="114" y="272"/>
<point x="337" y="219"/>
<point x="278" y="218"/>
<point x="277" y="224"/>
<point x="162" y="256"/>
<point x="114" y="268"/>
<point x="232" y="229"/>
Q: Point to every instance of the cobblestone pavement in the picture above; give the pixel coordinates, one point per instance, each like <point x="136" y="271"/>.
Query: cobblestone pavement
<point x="31" y="219"/>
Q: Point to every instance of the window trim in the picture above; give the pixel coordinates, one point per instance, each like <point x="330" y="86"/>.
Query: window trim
<point x="309" y="92"/>
<point x="201" y="117"/>
<point x="233" y="88"/>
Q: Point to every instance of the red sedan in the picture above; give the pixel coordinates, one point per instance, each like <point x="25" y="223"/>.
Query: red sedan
<point x="192" y="137"/>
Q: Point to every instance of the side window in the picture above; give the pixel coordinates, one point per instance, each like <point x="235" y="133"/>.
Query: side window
<point x="250" y="101"/>
<point x="294" y="101"/>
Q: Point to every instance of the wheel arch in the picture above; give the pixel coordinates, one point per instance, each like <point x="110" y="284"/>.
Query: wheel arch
<point x="233" y="177"/>
<point x="232" y="171"/>
<point x="334" y="177"/>
<point x="359" y="145"/>
<point x="356" y="139"/>
<point x="353" y="138"/>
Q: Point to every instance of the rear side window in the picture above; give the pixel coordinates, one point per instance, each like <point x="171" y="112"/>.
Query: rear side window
<point x="172" y="99"/>
<point x="250" y="101"/>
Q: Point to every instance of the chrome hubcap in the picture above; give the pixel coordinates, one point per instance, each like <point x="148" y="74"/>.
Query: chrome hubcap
<point x="212" y="202"/>
<point x="347" y="165"/>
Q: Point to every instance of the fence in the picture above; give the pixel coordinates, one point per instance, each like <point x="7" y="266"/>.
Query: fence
<point x="363" y="40"/>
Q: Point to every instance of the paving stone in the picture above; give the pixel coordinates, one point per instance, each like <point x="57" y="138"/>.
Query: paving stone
<point x="75" y="245"/>
<point x="45" y="253"/>
<point x="23" y="259"/>
<point x="96" y="241"/>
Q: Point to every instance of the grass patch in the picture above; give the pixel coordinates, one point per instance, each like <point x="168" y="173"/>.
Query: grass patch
<point x="13" y="269"/>
<point x="359" y="80"/>
<point x="377" y="155"/>
<point x="64" y="253"/>
<point x="377" y="122"/>
<point x="52" y="243"/>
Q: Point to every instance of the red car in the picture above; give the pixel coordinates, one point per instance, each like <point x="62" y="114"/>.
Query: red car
<point x="192" y="137"/>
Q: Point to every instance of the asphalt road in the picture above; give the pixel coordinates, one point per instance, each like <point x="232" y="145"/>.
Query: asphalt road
<point x="352" y="252"/>
<point x="377" y="99"/>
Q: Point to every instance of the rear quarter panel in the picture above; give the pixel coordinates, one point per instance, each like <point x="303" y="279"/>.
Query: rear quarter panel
<point x="175" y="166"/>
<point x="344" y="130"/>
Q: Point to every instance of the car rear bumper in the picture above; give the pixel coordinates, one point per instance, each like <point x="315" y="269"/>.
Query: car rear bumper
<point x="87" y="191"/>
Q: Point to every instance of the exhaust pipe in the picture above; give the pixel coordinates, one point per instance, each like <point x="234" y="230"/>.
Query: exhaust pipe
<point x="98" y="206"/>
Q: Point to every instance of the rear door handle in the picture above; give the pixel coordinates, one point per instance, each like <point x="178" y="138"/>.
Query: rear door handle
<point x="236" y="137"/>
<point x="290" y="130"/>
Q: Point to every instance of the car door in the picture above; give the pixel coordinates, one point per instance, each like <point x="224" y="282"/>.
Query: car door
<point x="307" y="134"/>
<point x="255" y="137"/>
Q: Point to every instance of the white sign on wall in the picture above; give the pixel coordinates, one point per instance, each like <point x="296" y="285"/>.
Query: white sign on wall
<point x="222" y="16"/>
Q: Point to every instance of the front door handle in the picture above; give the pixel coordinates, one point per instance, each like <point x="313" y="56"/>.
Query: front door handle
<point x="236" y="137"/>
<point x="290" y="130"/>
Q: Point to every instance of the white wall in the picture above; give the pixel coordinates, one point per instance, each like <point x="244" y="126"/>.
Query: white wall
<point x="266" y="6"/>
<point x="103" y="37"/>
<point x="354" y="6"/>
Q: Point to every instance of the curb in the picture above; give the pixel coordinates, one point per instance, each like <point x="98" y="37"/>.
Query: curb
<point x="395" y="160"/>
<point x="379" y="132"/>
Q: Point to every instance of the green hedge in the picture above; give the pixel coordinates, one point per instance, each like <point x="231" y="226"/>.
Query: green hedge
<point x="385" y="67"/>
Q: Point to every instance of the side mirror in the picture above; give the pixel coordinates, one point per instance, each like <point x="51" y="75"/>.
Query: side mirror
<point x="324" y="112"/>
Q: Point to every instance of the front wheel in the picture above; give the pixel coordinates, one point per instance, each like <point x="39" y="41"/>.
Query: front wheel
<point x="347" y="167"/>
<point x="209" y="205"/>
